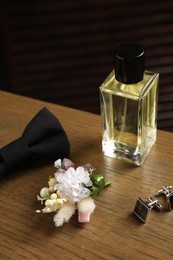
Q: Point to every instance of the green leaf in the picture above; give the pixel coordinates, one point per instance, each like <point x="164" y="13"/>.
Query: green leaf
<point x="98" y="181"/>
<point x="95" y="191"/>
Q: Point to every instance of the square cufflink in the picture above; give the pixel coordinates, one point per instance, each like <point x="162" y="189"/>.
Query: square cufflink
<point x="142" y="209"/>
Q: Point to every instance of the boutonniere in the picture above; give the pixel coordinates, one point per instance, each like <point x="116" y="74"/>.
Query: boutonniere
<point x="72" y="188"/>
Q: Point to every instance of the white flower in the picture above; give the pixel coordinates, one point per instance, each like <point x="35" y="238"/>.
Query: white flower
<point x="58" y="163"/>
<point x="73" y="184"/>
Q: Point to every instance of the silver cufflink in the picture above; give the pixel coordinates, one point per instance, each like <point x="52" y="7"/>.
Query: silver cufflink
<point x="168" y="194"/>
<point x="142" y="209"/>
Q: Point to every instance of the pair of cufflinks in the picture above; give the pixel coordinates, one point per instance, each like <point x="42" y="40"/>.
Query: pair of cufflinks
<point x="142" y="209"/>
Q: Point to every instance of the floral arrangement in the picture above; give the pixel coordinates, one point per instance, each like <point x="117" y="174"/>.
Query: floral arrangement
<point x="71" y="189"/>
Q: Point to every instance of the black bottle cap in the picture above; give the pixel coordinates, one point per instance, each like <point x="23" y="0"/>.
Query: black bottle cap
<point x="129" y="63"/>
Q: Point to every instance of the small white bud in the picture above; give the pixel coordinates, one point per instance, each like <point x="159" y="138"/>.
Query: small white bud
<point x="53" y="196"/>
<point x="52" y="182"/>
<point x="44" y="193"/>
<point x="58" y="192"/>
<point x="38" y="211"/>
<point x="51" y="189"/>
<point x="49" y="203"/>
<point x="59" y="202"/>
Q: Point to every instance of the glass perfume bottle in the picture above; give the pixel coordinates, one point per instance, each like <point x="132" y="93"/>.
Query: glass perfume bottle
<point x="128" y="100"/>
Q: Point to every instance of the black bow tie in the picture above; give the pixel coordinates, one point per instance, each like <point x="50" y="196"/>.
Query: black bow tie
<point x="43" y="138"/>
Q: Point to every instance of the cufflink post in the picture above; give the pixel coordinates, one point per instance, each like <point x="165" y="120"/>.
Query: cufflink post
<point x="168" y="194"/>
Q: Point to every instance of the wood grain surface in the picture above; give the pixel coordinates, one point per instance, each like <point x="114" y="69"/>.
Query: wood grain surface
<point x="113" y="232"/>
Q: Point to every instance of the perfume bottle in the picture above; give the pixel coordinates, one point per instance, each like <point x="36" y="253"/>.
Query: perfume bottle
<point x="128" y="100"/>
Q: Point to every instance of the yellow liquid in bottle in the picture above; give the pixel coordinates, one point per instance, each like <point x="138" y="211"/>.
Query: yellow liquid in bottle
<point x="129" y="117"/>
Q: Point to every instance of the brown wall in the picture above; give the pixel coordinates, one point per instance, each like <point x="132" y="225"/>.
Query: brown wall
<point x="61" y="51"/>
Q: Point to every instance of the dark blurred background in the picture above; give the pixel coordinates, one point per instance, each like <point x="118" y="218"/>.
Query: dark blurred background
<point x="61" y="51"/>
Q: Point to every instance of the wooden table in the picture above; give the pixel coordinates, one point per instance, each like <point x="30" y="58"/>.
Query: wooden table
<point x="113" y="232"/>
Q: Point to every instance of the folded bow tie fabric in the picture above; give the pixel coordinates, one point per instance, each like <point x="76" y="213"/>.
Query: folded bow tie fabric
<point x="43" y="138"/>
